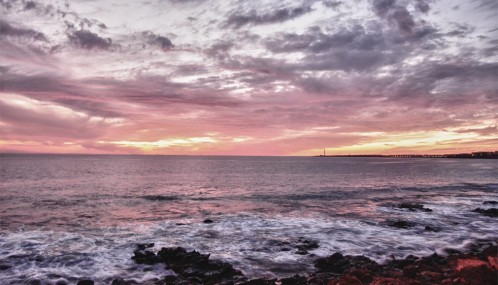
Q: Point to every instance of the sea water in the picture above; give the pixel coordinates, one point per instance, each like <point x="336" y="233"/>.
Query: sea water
<point x="67" y="217"/>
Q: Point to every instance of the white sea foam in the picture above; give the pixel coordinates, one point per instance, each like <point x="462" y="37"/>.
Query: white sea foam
<point x="247" y="241"/>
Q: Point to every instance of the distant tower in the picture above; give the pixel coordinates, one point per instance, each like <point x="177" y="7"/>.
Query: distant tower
<point x="323" y="152"/>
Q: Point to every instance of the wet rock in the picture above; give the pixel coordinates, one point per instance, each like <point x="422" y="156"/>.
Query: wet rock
<point x="294" y="280"/>
<point x="430" y="229"/>
<point x="142" y="246"/>
<point x="259" y="281"/>
<point x="301" y="244"/>
<point x="61" y="282"/>
<point x="490" y="202"/>
<point x="192" y="265"/>
<point x="301" y="252"/>
<point x="144" y="256"/>
<point x="337" y="263"/>
<point x="4" y="266"/>
<point x="491" y="212"/>
<point x="387" y="281"/>
<point x="304" y="245"/>
<point x="474" y="271"/>
<point x="208" y="221"/>
<point x="345" y="280"/>
<point x="413" y="207"/>
<point x="34" y="282"/>
<point x="85" y="282"/>
<point x="401" y="224"/>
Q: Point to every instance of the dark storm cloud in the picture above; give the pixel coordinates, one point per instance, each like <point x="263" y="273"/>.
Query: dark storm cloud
<point x="238" y="19"/>
<point x="423" y="6"/>
<point x="397" y="13"/>
<point x="88" y="40"/>
<point x="161" y="41"/>
<point x="403" y="19"/>
<point x="316" y="41"/>
<point x="382" y="7"/>
<point x="7" y="29"/>
<point x="447" y="84"/>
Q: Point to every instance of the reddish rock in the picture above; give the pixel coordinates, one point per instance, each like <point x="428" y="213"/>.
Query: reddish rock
<point x="493" y="261"/>
<point x="476" y="272"/>
<point x="386" y="281"/>
<point x="429" y="276"/>
<point x="364" y="275"/>
<point x="447" y="281"/>
<point x="410" y="271"/>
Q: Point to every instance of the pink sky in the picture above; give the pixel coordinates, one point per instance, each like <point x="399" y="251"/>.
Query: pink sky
<point x="248" y="78"/>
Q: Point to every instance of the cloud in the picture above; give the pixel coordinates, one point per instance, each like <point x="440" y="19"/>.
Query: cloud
<point x="238" y="20"/>
<point x="33" y="118"/>
<point x="397" y="13"/>
<point x="161" y="41"/>
<point x="7" y="30"/>
<point x="423" y="6"/>
<point x="491" y="130"/>
<point x="88" y="40"/>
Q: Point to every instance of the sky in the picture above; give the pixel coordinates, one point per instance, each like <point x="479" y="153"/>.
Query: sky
<point x="231" y="77"/>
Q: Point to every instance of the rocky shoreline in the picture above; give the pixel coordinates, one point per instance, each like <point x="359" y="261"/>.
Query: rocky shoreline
<point x="478" y="265"/>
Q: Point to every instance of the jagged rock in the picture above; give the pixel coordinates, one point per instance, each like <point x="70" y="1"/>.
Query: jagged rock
<point x="430" y="229"/>
<point x="401" y="224"/>
<point x="144" y="256"/>
<point x="491" y="212"/>
<point x="337" y="263"/>
<point x="294" y="280"/>
<point x="413" y="207"/>
<point x="85" y="282"/>
<point x="259" y="281"/>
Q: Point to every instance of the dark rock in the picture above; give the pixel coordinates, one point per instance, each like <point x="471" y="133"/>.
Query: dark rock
<point x="119" y="281"/>
<point x="346" y="280"/>
<point x="142" y="246"/>
<point x="4" y="266"/>
<point x="306" y="244"/>
<point x="491" y="212"/>
<point x="490" y="203"/>
<point x="430" y="229"/>
<point x="208" y="221"/>
<point x="85" y="282"/>
<point x="413" y="207"/>
<point x="61" y="282"/>
<point x="259" y="281"/>
<point x="34" y="282"/>
<point x="294" y="280"/>
<point x="144" y="256"/>
<point x="337" y="263"/>
<point x="401" y="224"/>
<point x="194" y="265"/>
<point x="302" y="252"/>
<point x="170" y="279"/>
<point x="410" y="271"/>
<point x="452" y="251"/>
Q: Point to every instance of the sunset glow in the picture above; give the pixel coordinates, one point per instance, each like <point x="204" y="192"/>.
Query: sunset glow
<point x="203" y="77"/>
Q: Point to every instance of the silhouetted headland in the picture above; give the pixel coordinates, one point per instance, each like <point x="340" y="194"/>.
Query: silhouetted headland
<point x="473" y="155"/>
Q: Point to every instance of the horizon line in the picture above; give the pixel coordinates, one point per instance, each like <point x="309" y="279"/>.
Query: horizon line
<point x="425" y="155"/>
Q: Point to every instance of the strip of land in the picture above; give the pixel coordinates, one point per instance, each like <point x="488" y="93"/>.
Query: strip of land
<point x="472" y="155"/>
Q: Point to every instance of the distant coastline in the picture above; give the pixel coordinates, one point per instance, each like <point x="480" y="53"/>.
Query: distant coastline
<point x="472" y="155"/>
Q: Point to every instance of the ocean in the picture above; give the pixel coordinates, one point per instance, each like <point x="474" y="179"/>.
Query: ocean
<point x="66" y="217"/>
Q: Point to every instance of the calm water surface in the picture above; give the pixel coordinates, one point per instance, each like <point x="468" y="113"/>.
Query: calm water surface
<point x="64" y="217"/>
